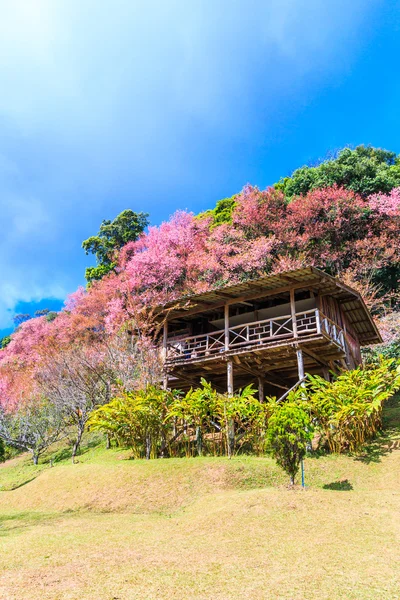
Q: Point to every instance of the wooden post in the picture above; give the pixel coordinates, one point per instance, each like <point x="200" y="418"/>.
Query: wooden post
<point x="231" y="423"/>
<point x="293" y="312"/>
<point x="164" y="354"/>
<point x="261" y="389"/>
<point x="226" y="320"/>
<point x="318" y="321"/>
<point x="165" y="381"/>
<point x="300" y="363"/>
<point x="229" y="374"/>
<point x="165" y="338"/>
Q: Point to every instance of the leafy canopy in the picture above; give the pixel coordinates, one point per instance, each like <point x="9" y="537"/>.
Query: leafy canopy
<point x="112" y="236"/>
<point x="364" y="170"/>
<point x="222" y="213"/>
<point x="5" y="341"/>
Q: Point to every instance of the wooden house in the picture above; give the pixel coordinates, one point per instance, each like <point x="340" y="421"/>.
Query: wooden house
<point x="268" y="331"/>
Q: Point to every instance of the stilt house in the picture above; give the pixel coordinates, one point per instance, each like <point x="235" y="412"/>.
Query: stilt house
<point x="268" y="331"/>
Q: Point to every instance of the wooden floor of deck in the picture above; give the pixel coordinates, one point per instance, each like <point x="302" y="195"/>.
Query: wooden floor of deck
<point x="275" y="362"/>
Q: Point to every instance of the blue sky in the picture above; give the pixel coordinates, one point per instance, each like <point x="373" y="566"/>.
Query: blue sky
<point x="159" y="105"/>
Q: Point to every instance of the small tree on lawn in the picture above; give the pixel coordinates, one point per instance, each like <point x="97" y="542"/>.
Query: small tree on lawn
<point x="288" y="434"/>
<point x="32" y="427"/>
<point x="77" y="381"/>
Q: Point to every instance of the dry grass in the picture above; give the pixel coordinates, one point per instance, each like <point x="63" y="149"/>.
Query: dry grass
<point x="110" y="528"/>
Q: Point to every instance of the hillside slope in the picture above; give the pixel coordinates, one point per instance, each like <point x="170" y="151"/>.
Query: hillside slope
<point x="113" y="528"/>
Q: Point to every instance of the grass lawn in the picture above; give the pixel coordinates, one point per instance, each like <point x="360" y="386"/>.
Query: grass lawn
<point x="112" y="528"/>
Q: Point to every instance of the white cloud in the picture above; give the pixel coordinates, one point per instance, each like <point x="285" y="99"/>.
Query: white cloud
<point x="99" y="97"/>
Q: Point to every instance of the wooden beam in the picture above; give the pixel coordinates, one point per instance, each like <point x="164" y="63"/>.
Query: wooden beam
<point x="293" y="312"/>
<point x="194" y="382"/>
<point x="259" y="375"/>
<point x="318" y="359"/>
<point x="300" y="382"/>
<point x="252" y="296"/>
<point x="334" y="367"/>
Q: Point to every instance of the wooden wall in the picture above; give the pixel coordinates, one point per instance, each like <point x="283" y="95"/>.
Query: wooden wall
<point x="332" y="309"/>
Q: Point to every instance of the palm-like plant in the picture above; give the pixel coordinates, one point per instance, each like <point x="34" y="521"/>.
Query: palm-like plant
<point x="242" y="413"/>
<point x="349" y="409"/>
<point x="136" y="419"/>
<point x="195" y="410"/>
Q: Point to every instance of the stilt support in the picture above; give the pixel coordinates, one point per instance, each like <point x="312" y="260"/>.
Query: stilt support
<point x="300" y="363"/>
<point x="261" y="396"/>
<point x="229" y="375"/>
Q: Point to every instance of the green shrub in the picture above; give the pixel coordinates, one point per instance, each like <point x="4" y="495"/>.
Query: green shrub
<point x="348" y="410"/>
<point x="289" y="432"/>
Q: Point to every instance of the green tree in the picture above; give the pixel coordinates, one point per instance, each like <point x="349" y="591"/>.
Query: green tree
<point x="33" y="427"/>
<point x="5" y="341"/>
<point x="289" y="432"/>
<point x="112" y="236"/>
<point x="222" y="213"/>
<point x="21" y="318"/>
<point x="364" y="169"/>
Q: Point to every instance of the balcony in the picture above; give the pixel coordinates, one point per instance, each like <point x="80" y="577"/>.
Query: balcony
<point x="253" y="336"/>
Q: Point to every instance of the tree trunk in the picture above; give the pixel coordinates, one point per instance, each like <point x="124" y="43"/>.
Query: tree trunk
<point x="148" y="446"/>
<point x="199" y="441"/>
<point x="108" y="441"/>
<point x="231" y="437"/>
<point x="163" y="448"/>
<point x="35" y="459"/>
<point x="76" y="445"/>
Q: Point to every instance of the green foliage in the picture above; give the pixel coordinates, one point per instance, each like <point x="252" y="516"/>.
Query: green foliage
<point x="5" y="341"/>
<point x="45" y="312"/>
<point x="349" y="409"/>
<point x="112" y="236"/>
<point x="242" y="417"/>
<point x="202" y="421"/>
<point x="136" y="420"/>
<point x="372" y="355"/>
<point x="2" y="451"/>
<point x="96" y="273"/>
<point x="289" y="432"/>
<point x="51" y="315"/>
<point x="41" y="312"/>
<point x="196" y="408"/>
<point x="365" y="170"/>
<point x="33" y="427"/>
<point x="222" y="213"/>
<point x="21" y="318"/>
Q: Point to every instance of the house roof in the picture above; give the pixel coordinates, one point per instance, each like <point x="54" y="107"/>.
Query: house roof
<point x="308" y="278"/>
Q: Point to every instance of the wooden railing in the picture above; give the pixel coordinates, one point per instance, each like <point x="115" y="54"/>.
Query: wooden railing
<point x="308" y="322"/>
<point x="333" y="330"/>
